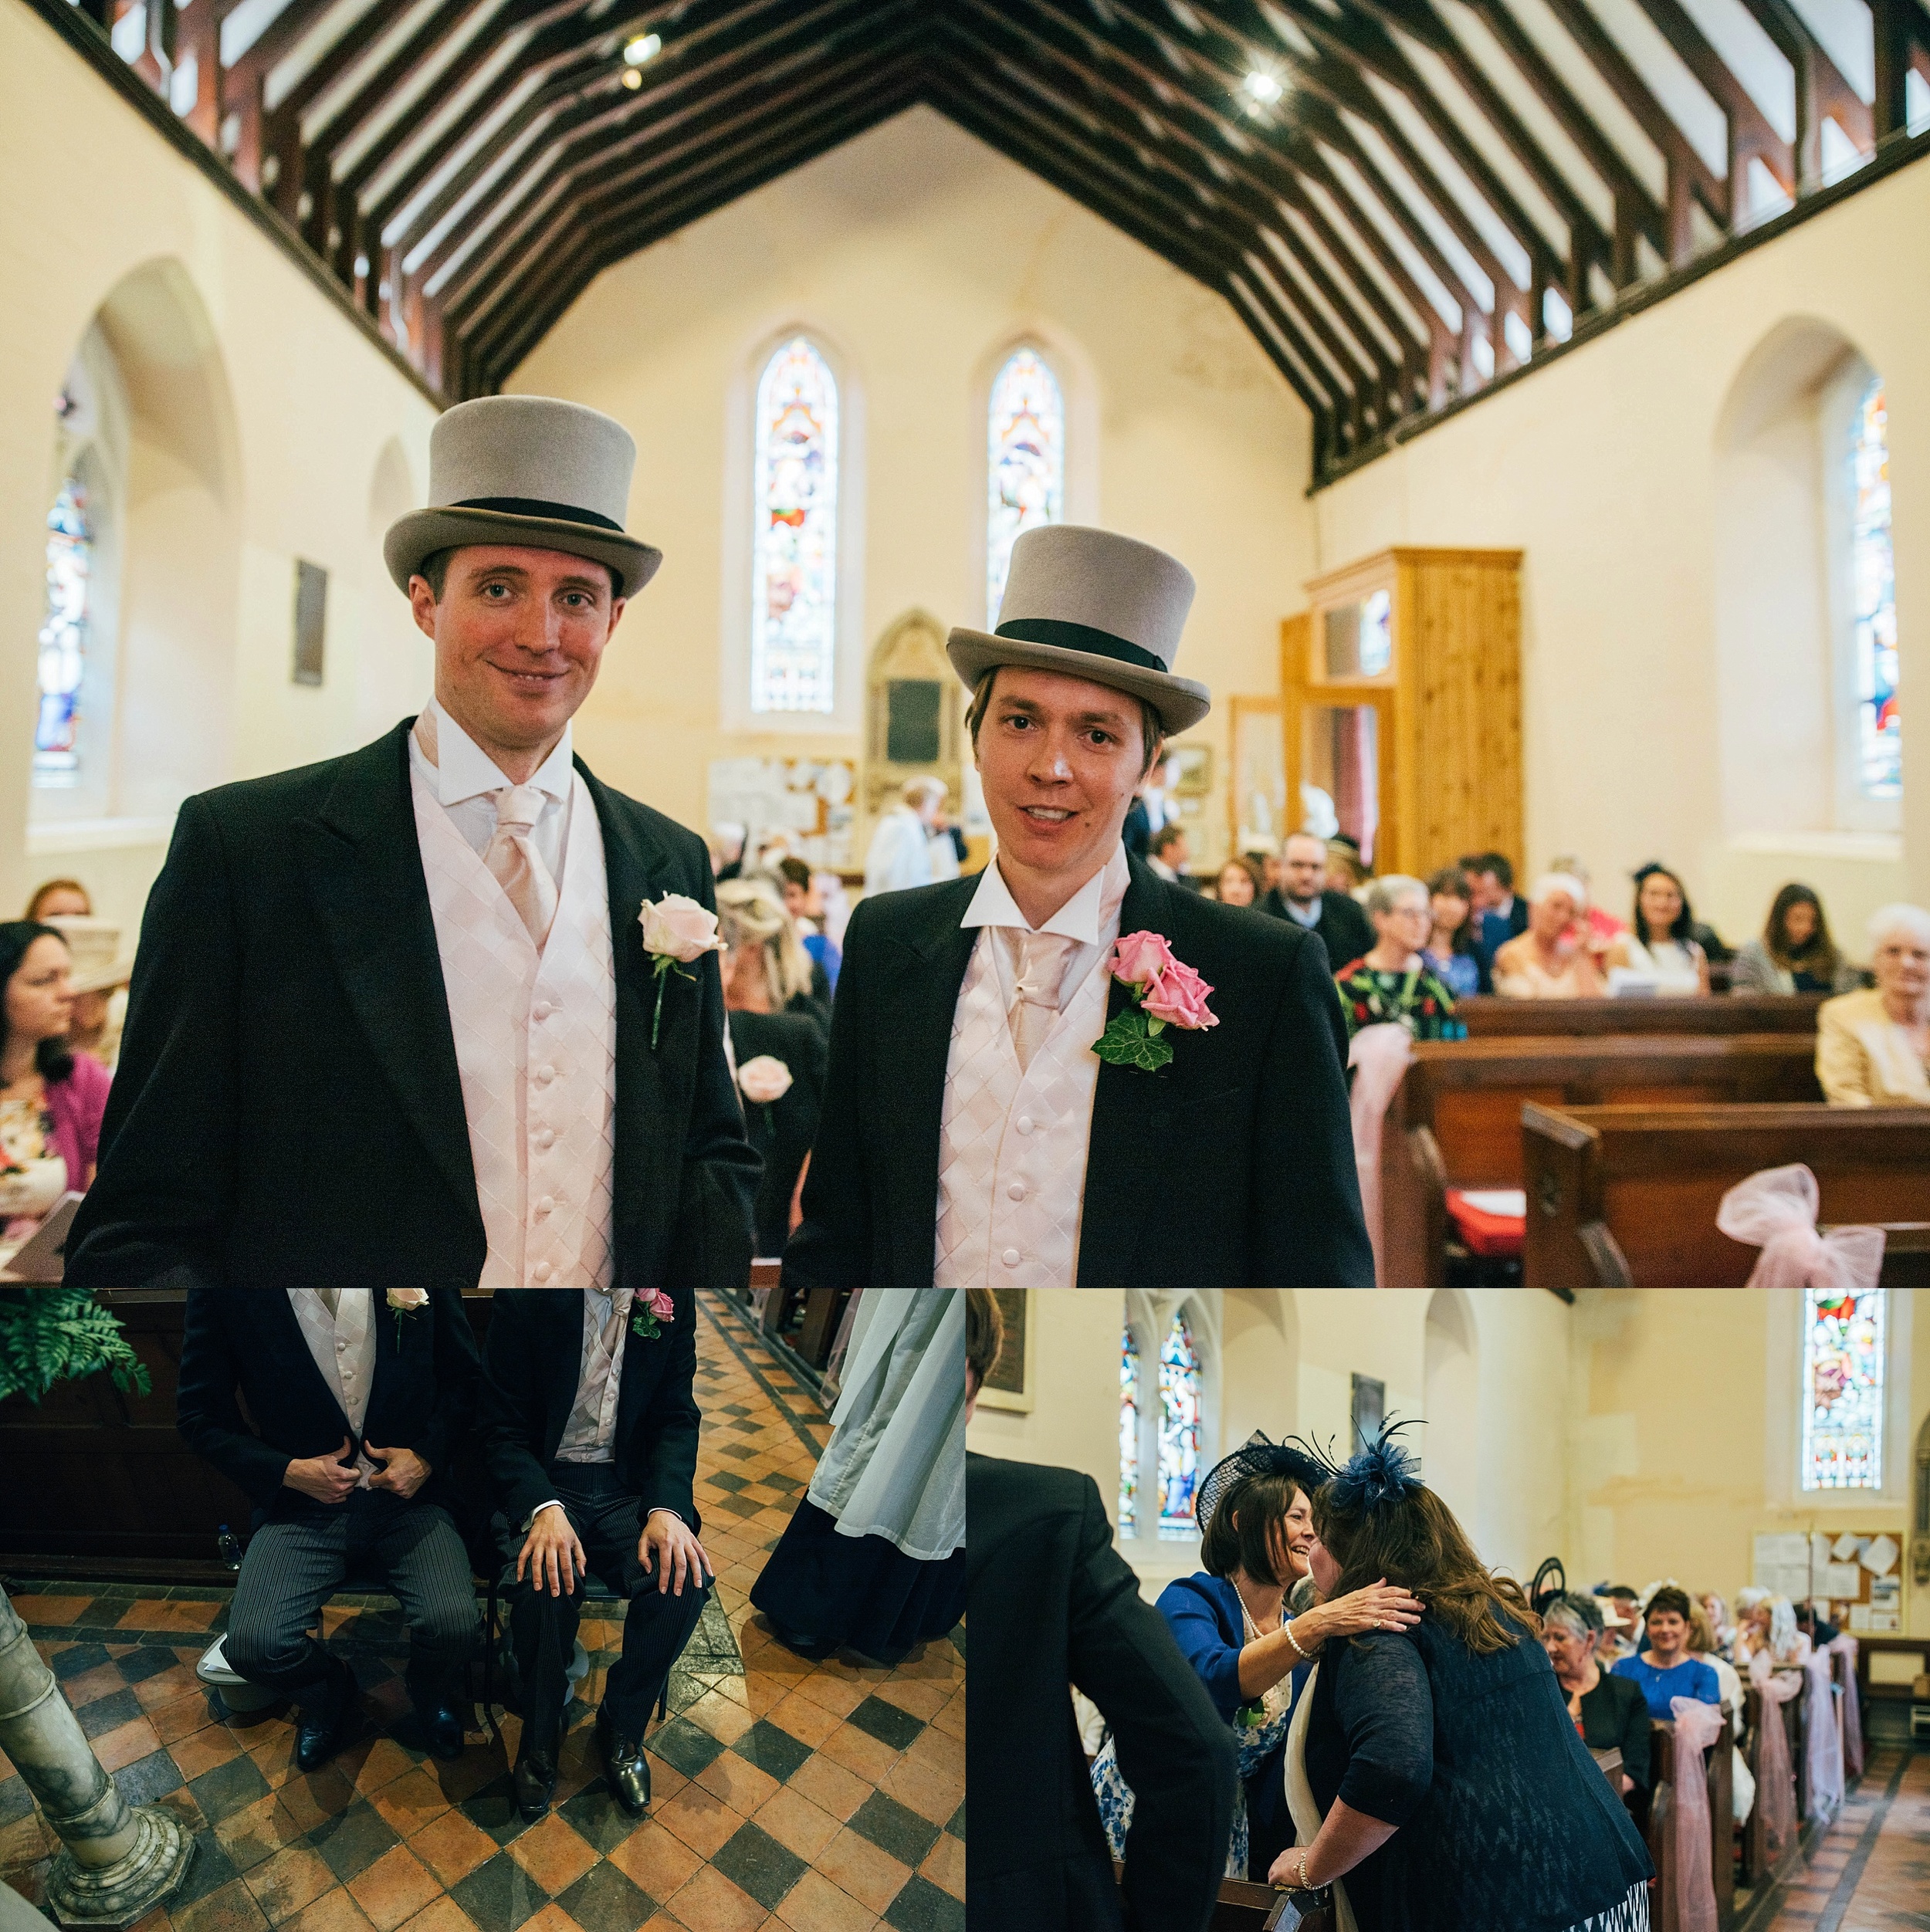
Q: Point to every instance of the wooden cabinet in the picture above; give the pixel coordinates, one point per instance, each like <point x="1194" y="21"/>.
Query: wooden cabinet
<point x="1400" y="700"/>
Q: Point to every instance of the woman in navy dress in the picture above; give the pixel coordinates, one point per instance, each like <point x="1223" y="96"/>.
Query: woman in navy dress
<point x="1443" y="1783"/>
<point x="1241" y="1635"/>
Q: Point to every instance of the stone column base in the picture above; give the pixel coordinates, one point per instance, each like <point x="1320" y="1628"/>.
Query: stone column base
<point x="123" y="1893"/>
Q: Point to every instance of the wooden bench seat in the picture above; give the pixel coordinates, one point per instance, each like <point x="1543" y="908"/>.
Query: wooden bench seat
<point x="1621" y="1196"/>
<point x="1455" y="1119"/>
<point x="1487" y="1018"/>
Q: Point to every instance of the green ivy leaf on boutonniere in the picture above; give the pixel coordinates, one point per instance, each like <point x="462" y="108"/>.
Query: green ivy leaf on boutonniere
<point x="1132" y="1038"/>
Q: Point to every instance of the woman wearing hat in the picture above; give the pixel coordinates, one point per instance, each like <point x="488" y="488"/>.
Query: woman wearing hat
<point x="1437" y="1778"/>
<point x="1006" y="1048"/>
<point x="1248" y="1643"/>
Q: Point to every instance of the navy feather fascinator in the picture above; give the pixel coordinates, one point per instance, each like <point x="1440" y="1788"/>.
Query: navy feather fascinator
<point x="1382" y="1471"/>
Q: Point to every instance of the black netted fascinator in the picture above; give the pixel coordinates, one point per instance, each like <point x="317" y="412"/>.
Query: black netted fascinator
<point x="1258" y="1456"/>
<point x="1382" y="1472"/>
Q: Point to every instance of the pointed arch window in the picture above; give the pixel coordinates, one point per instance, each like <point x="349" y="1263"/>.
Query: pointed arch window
<point x="1873" y="593"/>
<point x="795" y="588"/>
<point x="1129" y="1431"/>
<point x="1025" y="462"/>
<point x="63" y="638"/>
<point x="1844" y="1338"/>
<point x="1179" y="1429"/>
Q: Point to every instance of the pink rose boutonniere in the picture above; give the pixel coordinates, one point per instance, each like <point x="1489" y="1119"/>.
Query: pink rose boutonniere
<point x="1166" y="992"/>
<point x="406" y="1301"/>
<point x="676" y="930"/>
<point x="652" y="1306"/>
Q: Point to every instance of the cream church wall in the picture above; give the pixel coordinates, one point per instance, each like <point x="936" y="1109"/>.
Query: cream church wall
<point x="303" y="409"/>
<point x="1603" y="468"/>
<point x="916" y="256"/>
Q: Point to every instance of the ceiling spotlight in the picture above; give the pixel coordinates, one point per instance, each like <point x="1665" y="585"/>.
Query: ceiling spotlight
<point x="646" y="46"/>
<point x="1263" y="87"/>
<point x="631" y="79"/>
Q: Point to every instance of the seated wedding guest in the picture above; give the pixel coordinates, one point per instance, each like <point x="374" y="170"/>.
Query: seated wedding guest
<point x="1168" y="853"/>
<point x="873" y="1557"/>
<point x="1436" y="1774"/>
<point x="1610" y="1712"/>
<point x="1766" y="1624"/>
<point x="1241" y="1637"/>
<point x="1450" y="948"/>
<point x="1499" y="915"/>
<point x="1551" y="960"/>
<point x="1052" y="1603"/>
<point x="1718" y="1613"/>
<point x="1393" y="980"/>
<point x="328" y="1374"/>
<point x="1665" y="1668"/>
<point x="804" y="900"/>
<point x="1816" y="1627"/>
<point x="1240" y="881"/>
<point x="1304" y="896"/>
<point x="767" y="969"/>
<point x="1873" y="1047"/>
<point x="1703" y="1643"/>
<point x="60" y="899"/>
<point x="590" y="1421"/>
<point x="51" y="1096"/>
<point x="1347" y="871"/>
<point x="1602" y="926"/>
<point x="1660" y="950"/>
<point x="1796" y="953"/>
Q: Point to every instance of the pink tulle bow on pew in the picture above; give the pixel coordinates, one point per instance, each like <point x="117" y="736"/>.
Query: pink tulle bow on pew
<point x="1775" y="1774"/>
<point x="1698" y="1726"/>
<point x="1846" y="1646"/>
<point x="1775" y="1210"/>
<point x="1378" y="1056"/>
<point x="1826" y="1747"/>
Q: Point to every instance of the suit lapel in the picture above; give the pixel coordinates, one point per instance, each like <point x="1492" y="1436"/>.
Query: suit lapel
<point x="914" y="1040"/>
<point x="363" y="864"/>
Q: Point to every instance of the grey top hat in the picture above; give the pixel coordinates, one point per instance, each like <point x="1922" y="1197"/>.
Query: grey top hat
<point x="1092" y="604"/>
<point x="531" y="470"/>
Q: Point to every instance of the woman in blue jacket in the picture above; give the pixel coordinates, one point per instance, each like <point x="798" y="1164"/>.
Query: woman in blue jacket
<point x="1236" y="1628"/>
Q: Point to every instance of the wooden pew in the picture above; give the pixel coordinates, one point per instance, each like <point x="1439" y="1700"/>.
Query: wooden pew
<point x="1455" y="1119"/>
<point x="1716" y="1767"/>
<point x="1242" y="1907"/>
<point x="1624" y="1195"/>
<point x="1487" y="1018"/>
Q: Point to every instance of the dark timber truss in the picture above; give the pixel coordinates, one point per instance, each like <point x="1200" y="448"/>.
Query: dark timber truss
<point x="1402" y="199"/>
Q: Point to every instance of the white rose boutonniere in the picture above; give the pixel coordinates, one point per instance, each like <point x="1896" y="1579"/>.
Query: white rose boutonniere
<point x="763" y="1082"/>
<point x="403" y="1302"/>
<point x="676" y="930"/>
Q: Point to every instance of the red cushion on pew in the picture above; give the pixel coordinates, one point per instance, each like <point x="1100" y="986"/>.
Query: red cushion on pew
<point x="1499" y="1236"/>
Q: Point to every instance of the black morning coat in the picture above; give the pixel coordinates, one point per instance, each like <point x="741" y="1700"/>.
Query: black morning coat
<point x="535" y="1364"/>
<point x="251" y="1340"/>
<point x="287" y="1111"/>
<point x="1050" y="1602"/>
<point x="1233" y="1166"/>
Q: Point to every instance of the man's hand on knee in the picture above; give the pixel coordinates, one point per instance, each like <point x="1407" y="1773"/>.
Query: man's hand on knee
<point x="326" y="1478"/>
<point x="553" y="1553"/>
<point x="668" y="1549"/>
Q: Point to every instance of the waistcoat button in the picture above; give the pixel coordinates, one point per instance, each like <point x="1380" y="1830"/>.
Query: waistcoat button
<point x="1010" y="1257"/>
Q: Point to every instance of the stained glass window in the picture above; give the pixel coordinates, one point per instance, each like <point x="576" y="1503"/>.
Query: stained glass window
<point x="1873" y="588"/>
<point x="63" y="638"/>
<point x="1025" y="460"/>
<point x="1179" y="1430"/>
<point x="1128" y="1432"/>
<point x="794" y="593"/>
<point x="1843" y="1389"/>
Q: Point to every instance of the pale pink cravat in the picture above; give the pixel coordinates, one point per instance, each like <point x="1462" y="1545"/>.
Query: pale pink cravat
<point x="511" y="856"/>
<point x="1035" y="997"/>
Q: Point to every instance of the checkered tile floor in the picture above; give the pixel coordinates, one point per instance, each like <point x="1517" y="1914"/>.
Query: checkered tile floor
<point x="826" y="1798"/>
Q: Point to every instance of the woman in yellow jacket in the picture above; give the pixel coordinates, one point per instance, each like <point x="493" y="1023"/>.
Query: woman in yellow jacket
<point x="1873" y="1047"/>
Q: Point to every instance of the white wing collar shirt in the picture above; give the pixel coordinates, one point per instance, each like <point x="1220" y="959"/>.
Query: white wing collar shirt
<point x="1019" y="1082"/>
<point x="466" y="778"/>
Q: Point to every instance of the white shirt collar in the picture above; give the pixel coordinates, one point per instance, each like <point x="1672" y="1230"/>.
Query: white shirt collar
<point x="1080" y="918"/>
<point x="464" y="770"/>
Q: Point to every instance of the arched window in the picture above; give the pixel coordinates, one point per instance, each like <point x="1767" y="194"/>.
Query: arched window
<point x="1129" y="1431"/>
<point x="1873" y="593"/>
<point x="1844" y="1336"/>
<point x="794" y="583"/>
<point x="1179" y="1430"/>
<point x="1025" y="461"/>
<point x="64" y="638"/>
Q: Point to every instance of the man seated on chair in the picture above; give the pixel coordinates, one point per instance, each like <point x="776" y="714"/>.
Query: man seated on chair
<point x="592" y="1429"/>
<point x="358" y="1398"/>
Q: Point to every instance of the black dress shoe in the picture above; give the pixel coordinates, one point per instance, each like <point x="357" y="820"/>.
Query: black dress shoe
<point x="624" y="1768"/>
<point x="442" y="1723"/>
<point x="535" y="1781"/>
<point x="814" y="1649"/>
<point x="324" y="1718"/>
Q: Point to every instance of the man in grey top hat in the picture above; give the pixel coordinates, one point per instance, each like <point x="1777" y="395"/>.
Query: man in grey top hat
<point x="1005" y="1049"/>
<point x="396" y="1018"/>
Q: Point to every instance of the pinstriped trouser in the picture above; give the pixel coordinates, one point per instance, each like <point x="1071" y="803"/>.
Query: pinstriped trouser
<point x="292" y="1567"/>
